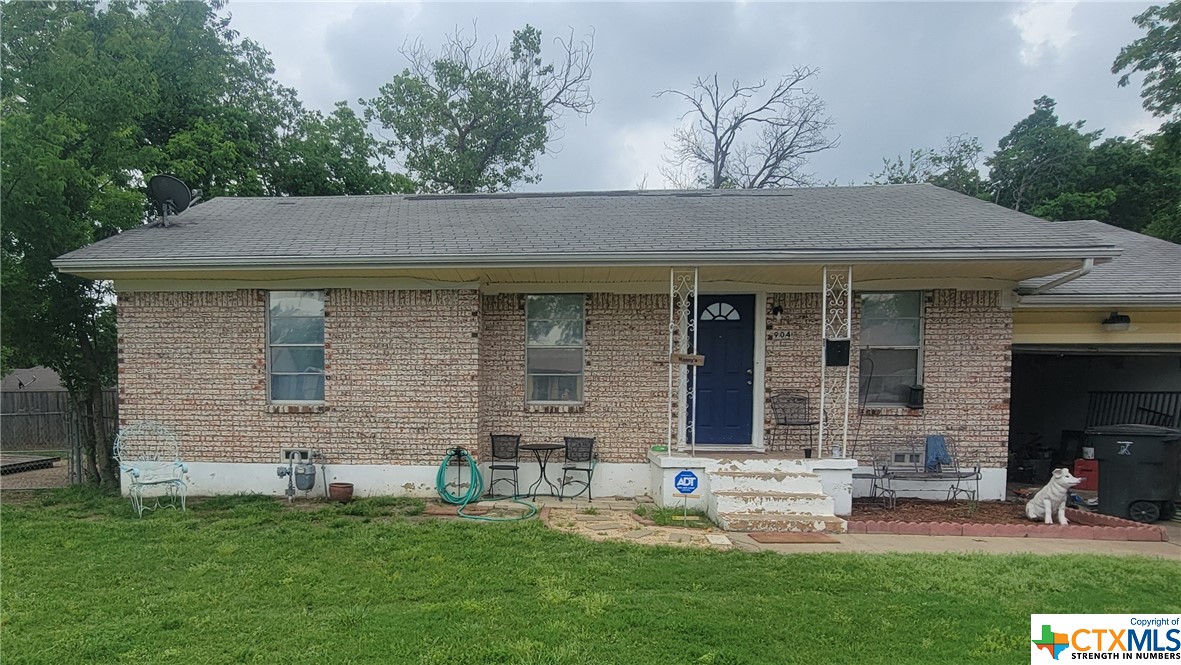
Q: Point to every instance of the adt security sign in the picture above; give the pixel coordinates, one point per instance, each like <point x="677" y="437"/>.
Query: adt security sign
<point x="685" y="482"/>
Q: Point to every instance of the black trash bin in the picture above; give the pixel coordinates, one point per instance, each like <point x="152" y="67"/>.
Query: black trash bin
<point x="1139" y="470"/>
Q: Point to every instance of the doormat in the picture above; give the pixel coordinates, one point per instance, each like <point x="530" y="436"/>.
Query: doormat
<point x="774" y="538"/>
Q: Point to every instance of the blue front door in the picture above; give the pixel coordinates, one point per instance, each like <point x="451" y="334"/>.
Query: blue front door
<point x="725" y="384"/>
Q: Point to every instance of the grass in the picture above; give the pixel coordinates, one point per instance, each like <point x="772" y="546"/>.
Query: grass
<point x="248" y="579"/>
<point x="670" y="516"/>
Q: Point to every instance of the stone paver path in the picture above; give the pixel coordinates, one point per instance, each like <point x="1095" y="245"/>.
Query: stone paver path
<point x="604" y="526"/>
<point x="611" y="524"/>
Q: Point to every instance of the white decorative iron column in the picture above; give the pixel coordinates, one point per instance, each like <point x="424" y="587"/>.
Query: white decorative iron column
<point x="682" y="339"/>
<point x="836" y="316"/>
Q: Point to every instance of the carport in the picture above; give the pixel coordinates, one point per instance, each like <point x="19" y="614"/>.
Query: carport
<point x="1100" y="347"/>
<point x="1058" y="392"/>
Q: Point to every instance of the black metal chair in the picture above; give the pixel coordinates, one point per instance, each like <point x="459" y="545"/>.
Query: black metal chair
<point x="913" y="466"/>
<point x="879" y="483"/>
<point x="963" y="475"/>
<point x="580" y="458"/>
<point x="506" y="456"/>
<point x="791" y="408"/>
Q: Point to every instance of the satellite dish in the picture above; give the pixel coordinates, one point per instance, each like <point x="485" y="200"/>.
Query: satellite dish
<point x="171" y="194"/>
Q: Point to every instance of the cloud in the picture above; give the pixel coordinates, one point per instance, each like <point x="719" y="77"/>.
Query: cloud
<point x="1044" y="27"/>
<point x="895" y="76"/>
<point x="636" y="152"/>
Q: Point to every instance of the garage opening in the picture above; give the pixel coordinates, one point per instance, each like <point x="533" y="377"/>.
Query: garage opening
<point x="1058" y="392"/>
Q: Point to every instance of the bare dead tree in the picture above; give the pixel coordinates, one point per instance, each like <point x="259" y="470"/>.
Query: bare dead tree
<point x="748" y="136"/>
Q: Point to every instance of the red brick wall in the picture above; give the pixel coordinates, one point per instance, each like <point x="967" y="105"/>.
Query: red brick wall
<point x="401" y="381"/>
<point x="625" y="380"/>
<point x="967" y="339"/>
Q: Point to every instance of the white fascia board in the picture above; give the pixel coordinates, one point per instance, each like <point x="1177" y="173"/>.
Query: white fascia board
<point x="1106" y="300"/>
<point x="777" y="257"/>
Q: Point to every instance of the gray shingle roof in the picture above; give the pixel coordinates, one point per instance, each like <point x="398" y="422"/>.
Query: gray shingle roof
<point x="1149" y="269"/>
<point x="877" y="221"/>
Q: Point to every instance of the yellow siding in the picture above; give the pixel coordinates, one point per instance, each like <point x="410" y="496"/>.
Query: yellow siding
<point x="1082" y="326"/>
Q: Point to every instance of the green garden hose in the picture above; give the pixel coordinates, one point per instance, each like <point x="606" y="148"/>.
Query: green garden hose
<point x="475" y="488"/>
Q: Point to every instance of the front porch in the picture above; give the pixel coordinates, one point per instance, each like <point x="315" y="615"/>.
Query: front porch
<point x="941" y="368"/>
<point x="758" y="491"/>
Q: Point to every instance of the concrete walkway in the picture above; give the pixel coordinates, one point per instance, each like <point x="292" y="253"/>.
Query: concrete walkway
<point x="963" y="544"/>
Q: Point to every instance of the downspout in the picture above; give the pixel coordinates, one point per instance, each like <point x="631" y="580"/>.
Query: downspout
<point x="1088" y="265"/>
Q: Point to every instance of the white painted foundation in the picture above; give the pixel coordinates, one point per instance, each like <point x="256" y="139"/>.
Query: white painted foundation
<point x="213" y="478"/>
<point x="992" y="486"/>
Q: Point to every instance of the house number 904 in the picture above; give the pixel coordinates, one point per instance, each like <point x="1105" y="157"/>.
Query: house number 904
<point x="780" y="334"/>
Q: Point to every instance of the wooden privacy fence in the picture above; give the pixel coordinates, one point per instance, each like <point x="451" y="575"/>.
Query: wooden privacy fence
<point x="48" y="421"/>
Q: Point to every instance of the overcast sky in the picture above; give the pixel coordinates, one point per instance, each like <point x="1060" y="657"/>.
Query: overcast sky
<point x="894" y="75"/>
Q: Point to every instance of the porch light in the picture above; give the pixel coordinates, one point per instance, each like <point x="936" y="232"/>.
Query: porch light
<point x="1116" y="322"/>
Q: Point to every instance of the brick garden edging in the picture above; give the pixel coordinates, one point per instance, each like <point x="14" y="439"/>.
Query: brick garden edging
<point x="642" y="520"/>
<point x="1083" y="526"/>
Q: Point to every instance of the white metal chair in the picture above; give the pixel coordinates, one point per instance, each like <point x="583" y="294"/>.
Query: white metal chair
<point x="149" y="453"/>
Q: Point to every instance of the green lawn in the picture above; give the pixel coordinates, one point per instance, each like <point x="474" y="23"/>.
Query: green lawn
<point x="239" y="580"/>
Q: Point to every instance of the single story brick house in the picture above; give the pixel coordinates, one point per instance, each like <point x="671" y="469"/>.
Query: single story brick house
<point x="384" y="330"/>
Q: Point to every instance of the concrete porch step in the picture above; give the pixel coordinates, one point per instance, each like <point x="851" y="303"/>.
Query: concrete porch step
<point x="764" y="481"/>
<point x="778" y="502"/>
<point x="781" y="523"/>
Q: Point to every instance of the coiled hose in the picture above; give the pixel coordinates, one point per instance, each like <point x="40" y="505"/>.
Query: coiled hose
<point x="475" y="488"/>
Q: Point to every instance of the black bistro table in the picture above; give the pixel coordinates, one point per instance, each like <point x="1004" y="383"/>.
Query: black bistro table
<point x="542" y="452"/>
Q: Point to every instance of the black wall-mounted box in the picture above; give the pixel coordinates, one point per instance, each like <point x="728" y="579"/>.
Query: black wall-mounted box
<point x="836" y="352"/>
<point x="915" y="400"/>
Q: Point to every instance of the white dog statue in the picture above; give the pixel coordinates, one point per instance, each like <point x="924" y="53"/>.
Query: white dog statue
<point x="1051" y="499"/>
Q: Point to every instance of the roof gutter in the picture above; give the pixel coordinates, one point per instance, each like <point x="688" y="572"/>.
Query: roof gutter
<point x="773" y="257"/>
<point x="1087" y="267"/>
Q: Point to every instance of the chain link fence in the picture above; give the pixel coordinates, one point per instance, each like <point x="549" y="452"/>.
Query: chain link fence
<point x="49" y="423"/>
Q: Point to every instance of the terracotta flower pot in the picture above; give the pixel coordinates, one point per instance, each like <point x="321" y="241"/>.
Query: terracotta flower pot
<point x="342" y="492"/>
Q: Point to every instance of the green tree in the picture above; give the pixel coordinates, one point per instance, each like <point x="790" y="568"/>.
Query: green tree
<point x="76" y="87"/>
<point x="96" y="97"/>
<point x="1077" y="205"/>
<point x="1165" y="217"/>
<point x="952" y="167"/>
<point x="476" y="118"/>
<point x="1156" y="55"/>
<point x="331" y="155"/>
<point x="1144" y="174"/>
<point x="1038" y="159"/>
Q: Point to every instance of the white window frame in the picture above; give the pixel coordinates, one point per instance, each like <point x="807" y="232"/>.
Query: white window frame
<point x="321" y="345"/>
<point x="581" y="349"/>
<point x="919" y="348"/>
